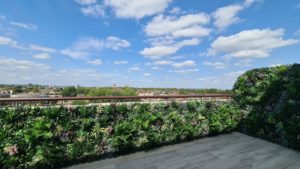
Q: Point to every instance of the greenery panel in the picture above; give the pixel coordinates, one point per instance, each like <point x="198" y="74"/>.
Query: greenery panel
<point x="270" y="99"/>
<point x="34" y="137"/>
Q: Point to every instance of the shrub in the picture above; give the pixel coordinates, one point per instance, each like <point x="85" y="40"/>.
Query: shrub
<point x="69" y="91"/>
<point x="34" y="137"/>
<point x="270" y="97"/>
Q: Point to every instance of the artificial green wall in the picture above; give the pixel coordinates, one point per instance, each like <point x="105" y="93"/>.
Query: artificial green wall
<point x="270" y="101"/>
<point x="34" y="137"/>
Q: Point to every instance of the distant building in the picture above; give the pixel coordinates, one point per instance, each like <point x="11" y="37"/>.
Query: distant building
<point x="145" y="93"/>
<point x="50" y="91"/>
<point x="54" y="94"/>
<point x="29" y="95"/>
<point x="4" y="95"/>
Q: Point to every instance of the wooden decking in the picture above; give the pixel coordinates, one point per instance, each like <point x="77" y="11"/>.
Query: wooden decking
<point x="229" y="151"/>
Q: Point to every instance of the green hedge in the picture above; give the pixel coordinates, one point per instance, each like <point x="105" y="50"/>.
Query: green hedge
<point x="33" y="137"/>
<point x="270" y="99"/>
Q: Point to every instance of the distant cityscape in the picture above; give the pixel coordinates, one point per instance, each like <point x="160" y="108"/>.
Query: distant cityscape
<point x="45" y="91"/>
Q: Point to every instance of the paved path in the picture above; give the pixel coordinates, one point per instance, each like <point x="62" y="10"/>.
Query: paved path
<point x="229" y="151"/>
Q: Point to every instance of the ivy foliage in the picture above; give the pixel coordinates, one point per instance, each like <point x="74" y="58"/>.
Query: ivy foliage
<point x="270" y="99"/>
<point x="35" y="137"/>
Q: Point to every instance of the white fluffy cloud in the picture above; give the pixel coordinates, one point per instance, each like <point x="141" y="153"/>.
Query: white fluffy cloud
<point x="195" y="31"/>
<point x="120" y="62"/>
<point x="84" y="47"/>
<point x="243" y="62"/>
<point x="41" y="48"/>
<point x="111" y="42"/>
<point x="187" y="42"/>
<point x="137" y="8"/>
<point x="12" y="70"/>
<point x="42" y="56"/>
<point x="74" y="76"/>
<point x="184" y="71"/>
<point x="248" y="3"/>
<point x="86" y="2"/>
<point x="217" y="65"/>
<point x="297" y="33"/>
<point x="75" y="54"/>
<point x="226" y="16"/>
<point x="156" y="68"/>
<point x="2" y="17"/>
<point x="175" y="10"/>
<point x="187" y="63"/>
<point x="7" y="41"/>
<point x="163" y="62"/>
<point x="190" y="25"/>
<point x="20" y="65"/>
<point x="234" y="75"/>
<point x="24" y="25"/>
<point x="223" y="81"/>
<point x="123" y="8"/>
<point x="161" y="40"/>
<point x="255" y="43"/>
<point x="115" y="43"/>
<point x="94" y="10"/>
<point x="95" y="62"/>
<point x="88" y="43"/>
<point x="157" y="52"/>
<point x="135" y="68"/>
<point x="15" y="44"/>
<point x="168" y="34"/>
<point x="147" y="74"/>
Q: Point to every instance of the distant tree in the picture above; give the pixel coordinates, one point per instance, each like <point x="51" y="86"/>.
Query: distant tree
<point x="69" y="91"/>
<point x="128" y="91"/>
<point x="36" y="89"/>
<point x="18" y="89"/>
<point x="83" y="90"/>
<point x="109" y="91"/>
<point x="58" y="89"/>
<point x="31" y="88"/>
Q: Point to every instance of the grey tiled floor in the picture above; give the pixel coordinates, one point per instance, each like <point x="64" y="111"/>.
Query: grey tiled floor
<point x="229" y="151"/>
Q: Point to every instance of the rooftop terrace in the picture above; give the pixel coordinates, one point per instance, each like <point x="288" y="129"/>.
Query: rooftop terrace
<point x="228" y="151"/>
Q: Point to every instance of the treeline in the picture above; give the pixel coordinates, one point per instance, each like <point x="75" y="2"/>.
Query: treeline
<point x="182" y="91"/>
<point x="15" y="88"/>
<point x="129" y="91"/>
<point x="72" y="91"/>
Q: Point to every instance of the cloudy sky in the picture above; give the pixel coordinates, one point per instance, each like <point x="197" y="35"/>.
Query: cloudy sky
<point x="144" y="43"/>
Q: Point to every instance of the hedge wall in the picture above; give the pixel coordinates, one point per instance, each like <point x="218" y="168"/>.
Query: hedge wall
<point x="33" y="137"/>
<point x="270" y="99"/>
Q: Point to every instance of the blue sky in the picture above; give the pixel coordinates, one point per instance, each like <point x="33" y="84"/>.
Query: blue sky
<point x="149" y="43"/>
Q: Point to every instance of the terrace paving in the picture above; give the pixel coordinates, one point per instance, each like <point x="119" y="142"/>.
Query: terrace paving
<point x="228" y="151"/>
